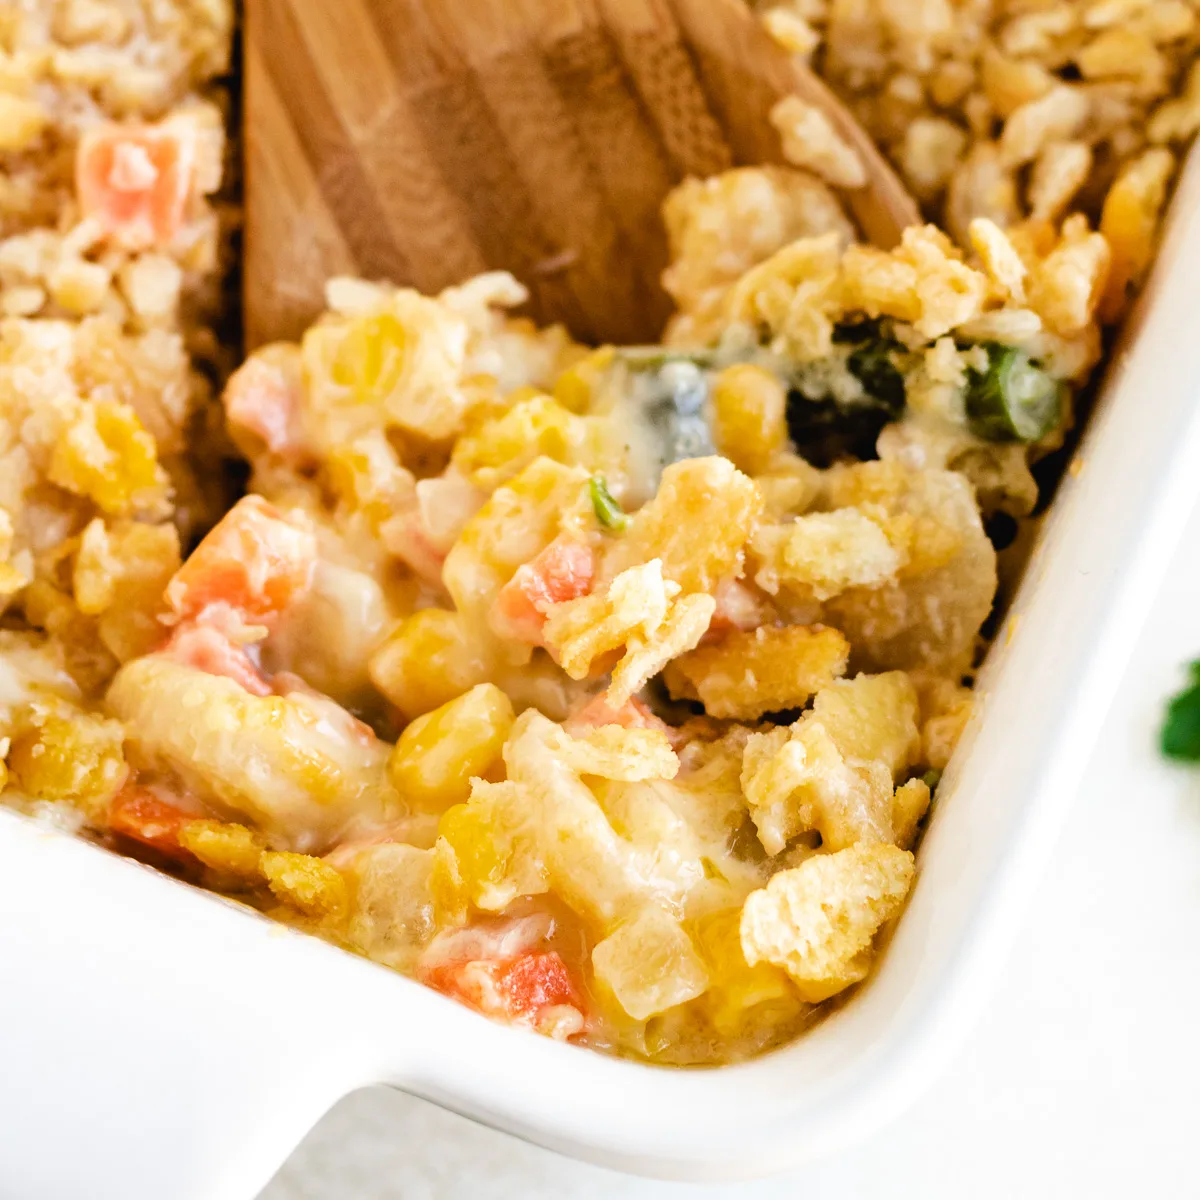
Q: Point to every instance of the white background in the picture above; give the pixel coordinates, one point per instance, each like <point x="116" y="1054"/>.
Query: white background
<point x="1082" y="1078"/>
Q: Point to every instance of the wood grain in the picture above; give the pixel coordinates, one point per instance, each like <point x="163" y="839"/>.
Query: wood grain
<point x="423" y="141"/>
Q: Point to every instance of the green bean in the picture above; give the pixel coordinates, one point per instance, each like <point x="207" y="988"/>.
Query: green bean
<point x="1014" y="400"/>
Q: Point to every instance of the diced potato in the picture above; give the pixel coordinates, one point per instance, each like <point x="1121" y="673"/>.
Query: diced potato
<point x="600" y="874"/>
<point x="697" y="523"/>
<point x="432" y="764"/>
<point x="307" y="884"/>
<point x="747" y="674"/>
<point x="649" y="964"/>
<point x="330" y="631"/>
<point x="298" y="767"/>
<point x="428" y="660"/>
<point x="391" y="906"/>
<point x="817" y="920"/>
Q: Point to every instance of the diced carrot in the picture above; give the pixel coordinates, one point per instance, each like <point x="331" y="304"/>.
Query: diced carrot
<point x="139" y="814"/>
<point x="563" y="571"/>
<point x="135" y="180"/>
<point x="633" y="714"/>
<point x="534" y="982"/>
<point x="261" y="399"/>
<point x="208" y="649"/>
<point x="499" y="970"/>
<point x="255" y="561"/>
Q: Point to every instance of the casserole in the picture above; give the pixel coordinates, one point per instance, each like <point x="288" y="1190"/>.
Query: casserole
<point x="186" y="1044"/>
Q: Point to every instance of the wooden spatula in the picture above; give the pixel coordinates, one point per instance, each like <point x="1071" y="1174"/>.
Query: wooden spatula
<point x="423" y="141"/>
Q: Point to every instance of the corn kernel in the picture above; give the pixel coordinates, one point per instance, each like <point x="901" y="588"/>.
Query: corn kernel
<point x="437" y="755"/>
<point x="426" y="662"/>
<point x="748" y="417"/>
<point x="741" y="997"/>
<point x="578" y="384"/>
<point x="79" y="286"/>
<point x="494" y="845"/>
<point x="109" y="457"/>
<point x="306" y="883"/>
<point x="503" y="446"/>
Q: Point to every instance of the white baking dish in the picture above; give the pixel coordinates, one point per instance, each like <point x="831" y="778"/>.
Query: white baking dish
<point x="157" y="1042"/>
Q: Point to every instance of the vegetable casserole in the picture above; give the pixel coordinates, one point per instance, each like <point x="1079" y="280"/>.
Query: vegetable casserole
<point x="603" y="689"/>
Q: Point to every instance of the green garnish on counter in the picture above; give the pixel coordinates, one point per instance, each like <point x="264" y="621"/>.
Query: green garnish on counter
<point x="1014" y="400"/>
<point x="608" y="512"/>
<point x="1180" y="735"/>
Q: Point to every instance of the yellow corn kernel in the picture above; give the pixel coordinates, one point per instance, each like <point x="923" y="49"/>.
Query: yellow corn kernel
<point x="748" y="416"/>
<point x="502" y="447"/>
<point x="437" y="755"/>
<point x="233" y="849"/>
<point x="741" y="997"/>
<point x="78" y="759"/>
<point x="109" y="457"/>
<point x="494" y="847"/>
<point x="306" y="883"/>
<point x="578" y="384"/>
<point x="370" y="359"/>
<point x="426" y="662"/>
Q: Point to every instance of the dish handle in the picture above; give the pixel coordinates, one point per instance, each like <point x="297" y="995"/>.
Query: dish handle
<point x="152" y="1047"/>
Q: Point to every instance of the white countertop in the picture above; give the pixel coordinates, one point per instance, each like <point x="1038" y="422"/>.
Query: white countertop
<point x="1082" y="1077"/>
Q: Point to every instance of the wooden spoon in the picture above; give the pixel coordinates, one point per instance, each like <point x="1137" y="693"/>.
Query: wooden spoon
<point x="423" y="141"/>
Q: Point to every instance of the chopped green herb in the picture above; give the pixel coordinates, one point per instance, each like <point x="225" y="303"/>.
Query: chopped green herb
<point x="932" y="778"/>
<point x="608" y="512"/>
<point x="1180" y="736"/>
<point x="1014" y="400"/>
